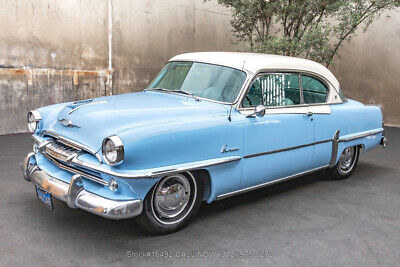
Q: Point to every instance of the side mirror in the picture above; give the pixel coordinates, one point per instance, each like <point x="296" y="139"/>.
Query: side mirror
<point x="259" y="111"/>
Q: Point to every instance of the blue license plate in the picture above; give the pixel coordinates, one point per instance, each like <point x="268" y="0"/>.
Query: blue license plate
<point x="44" y="197"/>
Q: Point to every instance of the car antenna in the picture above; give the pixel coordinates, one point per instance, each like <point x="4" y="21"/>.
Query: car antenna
<point x="230" y="110"/>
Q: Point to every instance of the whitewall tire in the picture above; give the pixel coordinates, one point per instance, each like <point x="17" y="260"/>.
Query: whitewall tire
<point x="346" y="164"/>
<point x="171" y="204"/>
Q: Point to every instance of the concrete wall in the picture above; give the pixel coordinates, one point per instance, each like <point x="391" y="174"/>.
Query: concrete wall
<point x="64" y="50"/>
<point x="369" y="66"/>
<point x="148" y="33"/>
<point x="58" y="51"/>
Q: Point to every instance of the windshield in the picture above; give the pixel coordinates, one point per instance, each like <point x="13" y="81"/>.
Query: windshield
<point x="200" y="80"/>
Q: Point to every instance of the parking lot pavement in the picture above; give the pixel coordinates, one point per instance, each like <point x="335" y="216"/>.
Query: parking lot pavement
<point x="309" y="221"/>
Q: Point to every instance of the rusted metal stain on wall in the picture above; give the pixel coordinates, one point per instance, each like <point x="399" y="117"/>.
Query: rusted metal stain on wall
<point x="24" y="89"/>
<point x="28" y="71"/>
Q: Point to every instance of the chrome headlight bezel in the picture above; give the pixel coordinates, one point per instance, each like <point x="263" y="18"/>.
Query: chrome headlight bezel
<point x="33" y="120"/>
<point x="118" y="148"/>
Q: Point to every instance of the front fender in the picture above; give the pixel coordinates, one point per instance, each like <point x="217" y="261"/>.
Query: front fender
<point x="180" y="141"/>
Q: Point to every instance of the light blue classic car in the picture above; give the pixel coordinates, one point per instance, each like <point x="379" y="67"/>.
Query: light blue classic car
<point x="210" y="126"/>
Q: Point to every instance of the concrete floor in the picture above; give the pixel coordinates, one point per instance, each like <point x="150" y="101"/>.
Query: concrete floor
<point x="309" y="221"/>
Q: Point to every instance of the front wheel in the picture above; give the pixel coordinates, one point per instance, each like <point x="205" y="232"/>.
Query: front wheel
<point x="171" y="204"/>
<point x="346" y="164"/>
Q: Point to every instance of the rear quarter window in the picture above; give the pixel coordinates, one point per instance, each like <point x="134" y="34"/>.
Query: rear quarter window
<point x="314" y="91"/>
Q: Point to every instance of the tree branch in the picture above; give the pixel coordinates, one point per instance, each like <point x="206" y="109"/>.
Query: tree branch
<point x="364" y="16"/>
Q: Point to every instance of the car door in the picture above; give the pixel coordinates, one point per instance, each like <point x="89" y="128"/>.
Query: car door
<point x="315" y="94"/>
<point x="280" y="143"/>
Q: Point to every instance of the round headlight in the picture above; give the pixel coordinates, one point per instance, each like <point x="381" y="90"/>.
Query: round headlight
<point x="33" y="120"/>
<point x="113" y="150"/>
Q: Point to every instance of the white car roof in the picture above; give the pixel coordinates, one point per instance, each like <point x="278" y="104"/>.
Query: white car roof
<point x="255" y="62"/>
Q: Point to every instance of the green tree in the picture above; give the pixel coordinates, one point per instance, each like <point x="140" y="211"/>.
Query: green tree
<point x="312" y="29"/>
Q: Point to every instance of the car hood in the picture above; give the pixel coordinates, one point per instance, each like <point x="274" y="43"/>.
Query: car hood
<point x="93" y="120"/>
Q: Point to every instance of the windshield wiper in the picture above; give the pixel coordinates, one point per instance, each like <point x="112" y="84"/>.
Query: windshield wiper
<point x="159" y="89"/>
<point x="179" y="91"/>
<point x="185" y="93"/>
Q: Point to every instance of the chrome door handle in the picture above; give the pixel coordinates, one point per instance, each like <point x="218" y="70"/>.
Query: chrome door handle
<point x="310" y="113"/>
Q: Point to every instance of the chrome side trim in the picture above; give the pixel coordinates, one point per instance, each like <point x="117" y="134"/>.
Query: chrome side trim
<point x="335" y="141"/>
<point x="286" y="149"/>
<point x="136" y="174"/>
<point x="76" y="171"/>
<point x="77" y="197"/>
<point x="157" y="172"/>
<point x="295" y="109"/>
<point x="244" y="190"/>
<point x="88" y="104"/>
<point x="360" y="136"/>
<point x="72" y="143"/>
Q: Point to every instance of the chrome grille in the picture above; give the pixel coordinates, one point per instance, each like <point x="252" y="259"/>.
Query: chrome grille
<point x="60" y="151"/>
<point x="96" y="177"/>
<point x="70" y="143"/>
<point x="62" y="154"/>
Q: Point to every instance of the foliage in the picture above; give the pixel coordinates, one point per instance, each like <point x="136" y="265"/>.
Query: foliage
<point x="312" y="29"/>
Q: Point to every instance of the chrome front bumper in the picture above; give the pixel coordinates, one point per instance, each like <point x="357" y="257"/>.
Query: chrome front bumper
<point x="76" y="196"/>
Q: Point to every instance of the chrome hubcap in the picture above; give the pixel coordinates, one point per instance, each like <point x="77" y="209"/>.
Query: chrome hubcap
<point x="347" y="159"/>
<point x="171" y="196"/>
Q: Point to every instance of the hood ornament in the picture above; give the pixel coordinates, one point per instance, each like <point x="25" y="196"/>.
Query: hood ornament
<point x="80" y="104"/>
<point x="67" y="123"/>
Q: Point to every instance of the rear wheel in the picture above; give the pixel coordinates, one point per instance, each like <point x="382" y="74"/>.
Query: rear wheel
<point x="346" y="164"/>
<point x="171" y="204"/>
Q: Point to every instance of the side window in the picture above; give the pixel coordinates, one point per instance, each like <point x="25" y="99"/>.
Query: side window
<point x="254" y="95"/>
<point x="313" y="90"/>
<point x="274" y="89"/>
